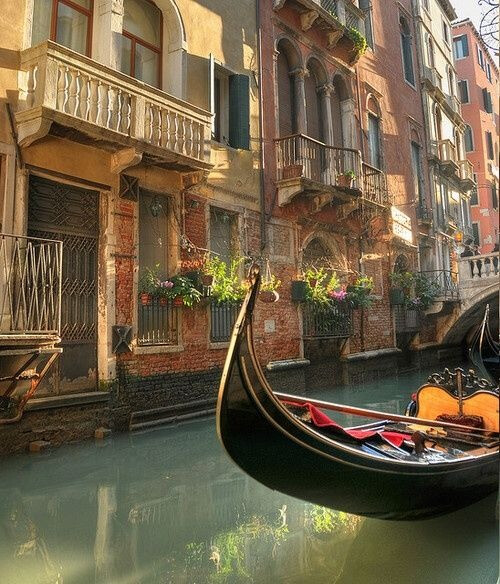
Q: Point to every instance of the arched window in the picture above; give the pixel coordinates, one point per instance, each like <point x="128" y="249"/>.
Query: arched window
<point x="406" y="50"/>
<point x="439" y="123"/>
<point x="67" y="22"/>
<point x="141" y="41"/>
<point x="451" y="82"/>
<point x="339" y="115"/>
<point x="286" y="63"/>
<point x="374" y="134"/>
<point x="468" y="139"/>
<point x="313" y="81"/>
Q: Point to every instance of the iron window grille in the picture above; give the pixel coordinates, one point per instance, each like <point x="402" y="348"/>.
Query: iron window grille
<point x="158" y="323"/>
<point x="222" y="318"/>
<point x="330" y="321"/>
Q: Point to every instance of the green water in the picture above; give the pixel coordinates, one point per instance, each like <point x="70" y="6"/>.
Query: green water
<point x="168" y="506"/>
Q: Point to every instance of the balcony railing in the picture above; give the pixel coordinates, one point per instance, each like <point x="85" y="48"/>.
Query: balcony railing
<point x="331" y="321"/>
<point x="446" y="283"/>
<point x="431" y="75"/>
<point x="478" y="271"/>
<point x="77" y="92"/>
<point x="447" y="151"/>
<point x="466" y="170"/>
<point x="406" y="320"/>
<point x="30" y="285"/>
<point x="158" y="323"/>
<point x="222" y="318"/>
<point x="299" y="156"/>
<point x="375" y="186"/>
<point x="453" y="103"/>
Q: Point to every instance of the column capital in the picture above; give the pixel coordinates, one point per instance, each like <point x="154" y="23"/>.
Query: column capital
<point x="326" y="90"/>
<point x="299" y="73"/>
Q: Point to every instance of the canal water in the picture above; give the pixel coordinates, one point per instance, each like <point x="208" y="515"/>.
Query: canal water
<point x="168" y="507"/>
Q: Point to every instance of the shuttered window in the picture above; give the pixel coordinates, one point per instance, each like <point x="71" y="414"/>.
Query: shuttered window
<point x="468" y="139"/>
<point x="312" y="109"/>
<point x="417" y="173"/>
<point x="475" y="233"/>
<point x="463" y="91"/>
<point x="488" y="106"/>
<point x="239" y="111"/>
<point x="406" y="49"/>
<point x="285" y="97"/>
<point x="489" y="145"/>
<point x="461" y="47"/>
<point x="494" y="196"/>
<point x="374" y="141"/>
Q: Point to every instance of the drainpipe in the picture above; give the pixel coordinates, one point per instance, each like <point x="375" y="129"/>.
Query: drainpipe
<point x="262" y="197"/>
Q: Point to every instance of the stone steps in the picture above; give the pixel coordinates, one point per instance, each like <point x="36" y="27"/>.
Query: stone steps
<point x="151" y="418"/>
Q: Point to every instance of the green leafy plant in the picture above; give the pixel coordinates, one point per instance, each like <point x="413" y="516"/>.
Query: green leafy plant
<point x="271" y="285"/>
<point x="403" y="280"/>
<point x="350" y="174"/>
<point x="426" y="291"/>
<point x="359" y="294"/>
<point x="183" y="288"/>
<point x="149" y="280"/>
<point x="227" y="285"/>
<point x="360" y="44"/>
<point x="324" y="285"/>
<point x="418" y="290"/>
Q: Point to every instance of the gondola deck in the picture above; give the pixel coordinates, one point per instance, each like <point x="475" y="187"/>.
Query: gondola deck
<point x="367" y="477"/>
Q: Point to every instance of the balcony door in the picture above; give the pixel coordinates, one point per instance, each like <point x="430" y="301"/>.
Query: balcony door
<point x="71" y="214"/>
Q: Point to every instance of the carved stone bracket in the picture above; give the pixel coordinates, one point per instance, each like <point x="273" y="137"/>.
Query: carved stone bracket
<point x="307" y="19"/>
<point x="333" y="37"/>
<point x="124" y="159"/>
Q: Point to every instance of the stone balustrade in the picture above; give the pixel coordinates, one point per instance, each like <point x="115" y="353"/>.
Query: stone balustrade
<point x="479" y="271"/>
<point x="76" y="92"/>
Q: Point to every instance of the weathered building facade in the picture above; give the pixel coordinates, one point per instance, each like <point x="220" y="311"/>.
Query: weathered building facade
<point x="478" y="94"/>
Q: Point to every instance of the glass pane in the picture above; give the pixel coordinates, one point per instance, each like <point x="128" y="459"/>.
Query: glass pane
<point x="42" y="12"/>
<point x="153" y="232"/>
<point x="143" y="20"/>
<point x="72" y="29"/>
<point x="125" y="52"/>
<point x="82" y="3"/>
<point x="146" y="65"/>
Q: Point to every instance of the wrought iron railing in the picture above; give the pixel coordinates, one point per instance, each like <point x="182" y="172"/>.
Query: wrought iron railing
<point x="330" y="321"/>
<point x="299" y="156"/>
<point x="406" y="320"/>
<point x="375" y="185"/>
<point x="446" y="282"/>
<point x="330" y="6"/>
<point x="30" y="285"/>
<point x="158" y="323"/>
<point x="222" y="318"/>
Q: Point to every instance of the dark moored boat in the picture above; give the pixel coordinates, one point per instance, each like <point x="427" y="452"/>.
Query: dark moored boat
<point x="484" y="350"/>
<point x="357" y="472"/>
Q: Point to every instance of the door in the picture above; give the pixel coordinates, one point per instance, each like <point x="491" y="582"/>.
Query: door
<point x="71" y="214"/>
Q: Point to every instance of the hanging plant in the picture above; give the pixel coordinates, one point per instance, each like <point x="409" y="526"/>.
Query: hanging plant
<point x="268" y="289"/>
<point x="359" y="294"/>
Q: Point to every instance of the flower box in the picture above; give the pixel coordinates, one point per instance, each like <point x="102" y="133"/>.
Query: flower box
<point x="292" y="171"/>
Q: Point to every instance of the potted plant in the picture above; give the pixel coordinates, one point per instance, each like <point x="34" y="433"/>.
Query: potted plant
<point x="402" y="285"/>
<point x="320" y="293"/>
<point x="164" y="291"/>
<point x="346" y="179"/>
<point x="359" y="294"/>
<point x="183" y="292"/>
<point x="292" y="171"/>
<point x="226" y="285"/>
<point x="268" y="290"/>
<point x="148" y="284"/>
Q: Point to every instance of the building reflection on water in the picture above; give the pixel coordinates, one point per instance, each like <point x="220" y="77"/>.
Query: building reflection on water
<point x="169" y="507"/>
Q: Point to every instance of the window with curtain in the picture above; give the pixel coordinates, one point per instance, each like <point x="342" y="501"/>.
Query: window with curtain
<point x="463" y="91"/>
<point x="406" y="50"/>
<point x="374" y="141"/>
<point x="366" y="7"/>
<point x="468" y="139"/>
<point x="67" y="22"/>
<point x="141" y="41"/>
<point x="417" y="173"/>
<point x="223" y="234"/>
<point x="461" y="47"/>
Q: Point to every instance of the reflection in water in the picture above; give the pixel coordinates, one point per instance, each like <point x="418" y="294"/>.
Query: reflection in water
<point x="169" y="507"/>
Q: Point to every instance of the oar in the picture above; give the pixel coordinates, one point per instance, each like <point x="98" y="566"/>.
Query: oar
<point x="375" y="414"/>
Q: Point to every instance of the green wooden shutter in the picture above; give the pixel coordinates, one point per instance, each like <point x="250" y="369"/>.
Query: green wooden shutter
<point x="239" y="111"/>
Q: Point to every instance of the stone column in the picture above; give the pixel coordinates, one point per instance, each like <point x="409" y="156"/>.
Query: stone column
<point x="300" y="99"/>
<point x="325" y="92"/>
<point x="108" y="22"/>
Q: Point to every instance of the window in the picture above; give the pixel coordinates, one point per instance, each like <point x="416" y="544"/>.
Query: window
<point x="406" y="50"/>
<point x="374" y="141"/>
<point x="417" y="173"/>
<point x="488" y="72"/>
<point x="430" y="52"/>
<point x="223" y="234"/>
<point x="461" y="47"/>
<point x="475" y="234"/>
<point x="67" y="22"/>
<point x="157" y="318"/>
<point x="468" y="139"/>
<point x="473" y="194"/>
<point x="489" y="146"/>
<point x="141" y="41"/>
<point x="231" y="108"/>
<point x="451" y="82"/>
<point x="488" y="105"/>
<point x="480" y="57"/>
<point x="463" y="91"/>
<point x="425" y="4"/>
<point x="366" y="7"/>
<point x="446" y="32"/>
<point x="494" y="196"/>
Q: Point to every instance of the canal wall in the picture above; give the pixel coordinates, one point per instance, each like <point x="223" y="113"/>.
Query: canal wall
<point x="141" y="402"/>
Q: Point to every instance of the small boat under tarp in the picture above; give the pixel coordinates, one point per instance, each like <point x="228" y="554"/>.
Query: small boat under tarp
<point x="392" y="468"/>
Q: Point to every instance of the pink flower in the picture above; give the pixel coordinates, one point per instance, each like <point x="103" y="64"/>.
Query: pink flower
<point x="338" y="295"/>
<point x="167" y="284"/>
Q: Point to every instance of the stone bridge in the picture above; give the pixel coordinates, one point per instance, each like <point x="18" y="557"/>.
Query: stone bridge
<point x="478" y="278"/>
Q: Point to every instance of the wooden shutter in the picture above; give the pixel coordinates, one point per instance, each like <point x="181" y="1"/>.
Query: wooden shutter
<point x="239" y="111"/>
<point x="285" y="97"/>
<point x="211" y="88"/>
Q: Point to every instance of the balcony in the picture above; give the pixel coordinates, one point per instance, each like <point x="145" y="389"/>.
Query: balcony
<point x="70" y="95"/>
<point x="432" y="78"/>
<point x="445" y="152"/>
<point x="446" y="283"/>
<point x="375" y="186"/>
<point x="335" y="18"/>
<point x="466" y="174"/>
<point x="30" y="290"/>
<point x="308" y="166"/>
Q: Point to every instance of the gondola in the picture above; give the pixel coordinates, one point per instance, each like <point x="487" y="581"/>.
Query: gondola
<point x="389" y="469"/>
<point x="484" y="350"/>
